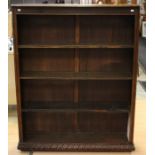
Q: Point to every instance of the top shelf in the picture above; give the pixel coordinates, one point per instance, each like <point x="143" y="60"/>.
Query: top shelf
<point x="76" y="46"/>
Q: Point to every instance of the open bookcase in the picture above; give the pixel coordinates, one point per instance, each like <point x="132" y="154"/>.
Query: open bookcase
<point x="76" y="69"/>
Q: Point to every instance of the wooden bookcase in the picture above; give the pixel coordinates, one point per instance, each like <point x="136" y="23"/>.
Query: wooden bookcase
<point x="76" y="69"/>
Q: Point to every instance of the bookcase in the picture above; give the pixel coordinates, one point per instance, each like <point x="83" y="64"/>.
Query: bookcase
<point x="76" y="69"/>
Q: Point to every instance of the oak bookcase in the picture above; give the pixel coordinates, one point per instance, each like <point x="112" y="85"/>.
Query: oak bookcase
<point x="76" y="69"/>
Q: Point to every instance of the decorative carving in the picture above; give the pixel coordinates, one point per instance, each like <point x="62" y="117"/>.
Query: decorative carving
<point x="75" y="147"/>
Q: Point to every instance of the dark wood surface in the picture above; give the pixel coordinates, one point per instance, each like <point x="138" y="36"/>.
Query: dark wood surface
<point x="76" y="69"/>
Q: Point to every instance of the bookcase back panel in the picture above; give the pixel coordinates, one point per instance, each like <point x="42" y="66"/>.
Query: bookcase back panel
<point x="57" y="122"/>
<point x="61" y="94"/>
<point x="46" y="60"/>
<point x="47" y="122"/>
<point x="43" y="91"/>
<point x="98" y="92"/>
<point x="112" y="29"/>
<point x="49" y="29"/>
<point x="106" y="61"/>
<point x="102" y="122"/>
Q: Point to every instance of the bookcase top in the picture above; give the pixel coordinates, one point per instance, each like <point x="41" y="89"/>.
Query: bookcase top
<point x="42" y="3"/>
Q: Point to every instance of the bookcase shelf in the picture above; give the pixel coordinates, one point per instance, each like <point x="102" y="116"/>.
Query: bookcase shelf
<point x="76" y="69"/>
<point x="75" y="76"/>
<point x="68" y="106"/>
<point x="76" y="46"/>
<point x="78" y="110"/>
<point x="119" y="137"/>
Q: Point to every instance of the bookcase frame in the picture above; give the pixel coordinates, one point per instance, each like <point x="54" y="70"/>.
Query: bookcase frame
<point x="76" y="71"/>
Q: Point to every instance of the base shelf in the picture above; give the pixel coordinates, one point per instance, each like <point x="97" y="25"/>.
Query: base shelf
<point x="77" y="142"/>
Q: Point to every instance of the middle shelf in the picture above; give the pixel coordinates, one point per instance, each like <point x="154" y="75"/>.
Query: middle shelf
<point x="78" y="110"/>
<point x="89" y="46"/>
<point x="76" y="107"/>
<point x="75" y="75"/>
